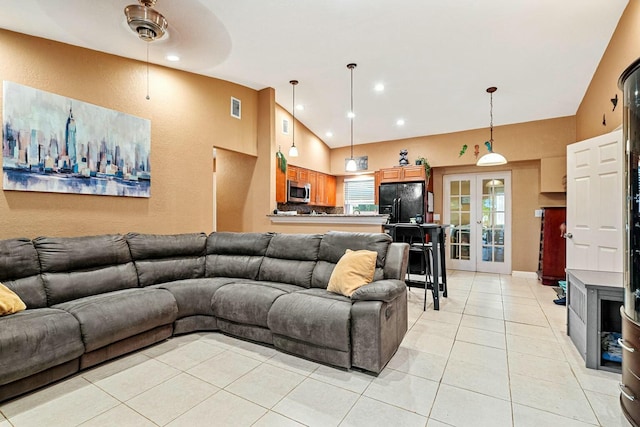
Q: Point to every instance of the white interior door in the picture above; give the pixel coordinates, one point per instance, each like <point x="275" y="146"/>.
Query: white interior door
<point x="595" y="203"/>
<point x="478" y="207"/>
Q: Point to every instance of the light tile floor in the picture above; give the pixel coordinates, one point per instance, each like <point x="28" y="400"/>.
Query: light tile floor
<point x="496" y="354"/>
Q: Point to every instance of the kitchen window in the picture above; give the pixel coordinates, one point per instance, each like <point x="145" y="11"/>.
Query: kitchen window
<point x="359" y="196"/>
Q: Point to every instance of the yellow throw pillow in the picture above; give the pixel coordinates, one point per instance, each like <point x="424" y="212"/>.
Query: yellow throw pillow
<point x="353" y="270"/>
<point x="9" y="302"/>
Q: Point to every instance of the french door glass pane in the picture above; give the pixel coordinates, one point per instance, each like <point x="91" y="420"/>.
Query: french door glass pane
<point x="493" y="220"/>
<point x="460" y="218"/>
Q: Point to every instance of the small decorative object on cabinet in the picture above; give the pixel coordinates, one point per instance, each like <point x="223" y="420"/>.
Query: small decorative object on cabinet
<point x="551" y="263"/>
<point x="404" y="159"/>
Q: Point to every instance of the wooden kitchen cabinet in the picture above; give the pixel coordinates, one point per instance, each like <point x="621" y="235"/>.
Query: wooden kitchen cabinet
<point x="321" y="190"/>
<point x="551" y="263"/>
<point x="292" y="173"/>
<point x="312" y="177"/>
<point x="323" y="186"/>
<point x="403" y="174"/>
<point x="301" y="175"/>
<point x="330" y="190"/>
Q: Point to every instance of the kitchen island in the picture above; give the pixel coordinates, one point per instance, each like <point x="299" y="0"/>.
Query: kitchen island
<point x="321" y="223"/>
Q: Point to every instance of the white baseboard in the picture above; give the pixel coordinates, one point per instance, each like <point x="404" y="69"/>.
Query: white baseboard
<point x="525" y="274"/>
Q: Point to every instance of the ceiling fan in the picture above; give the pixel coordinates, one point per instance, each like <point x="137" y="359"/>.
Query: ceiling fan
<point x="147" y="22"/>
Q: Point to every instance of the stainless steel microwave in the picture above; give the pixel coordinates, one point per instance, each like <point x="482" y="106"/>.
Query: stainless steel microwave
<point x="298" y="192"/>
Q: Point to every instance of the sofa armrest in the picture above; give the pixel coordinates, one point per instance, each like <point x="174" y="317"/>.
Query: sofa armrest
<point x="381" y="290"/>
<point x="395" y="266"/>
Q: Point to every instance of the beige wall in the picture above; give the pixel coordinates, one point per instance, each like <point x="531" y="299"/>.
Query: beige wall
<point x="518" y="142"/>
<point x="623" y="49"/>
<point x="189" y="115"/>
<point x="314" y="154"/>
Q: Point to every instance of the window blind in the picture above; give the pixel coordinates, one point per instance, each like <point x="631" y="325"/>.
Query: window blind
<point x="359" y="191"/>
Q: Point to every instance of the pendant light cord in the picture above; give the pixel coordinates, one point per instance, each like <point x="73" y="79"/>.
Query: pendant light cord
<point x="148" y="97"/>
<point x="293" y="113"/>
<point x="491" y="119"/>
<point x="351" y="67"/>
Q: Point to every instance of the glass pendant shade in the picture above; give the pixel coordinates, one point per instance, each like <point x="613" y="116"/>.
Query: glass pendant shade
<point x="293" y="151"/>
<point x="351" y="166"/>
<point x="491" y="159"/>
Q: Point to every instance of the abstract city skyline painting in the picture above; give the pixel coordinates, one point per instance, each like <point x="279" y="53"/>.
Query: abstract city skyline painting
<point x="52" y="143"/>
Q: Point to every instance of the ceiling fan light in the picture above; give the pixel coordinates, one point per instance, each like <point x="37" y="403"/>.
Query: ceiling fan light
<point x="146" y="22"/>
<point x="351" y="165"/>
<point x="491" y="159"/>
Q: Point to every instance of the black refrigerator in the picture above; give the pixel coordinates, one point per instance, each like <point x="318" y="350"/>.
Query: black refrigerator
<point x="402" y="200"/>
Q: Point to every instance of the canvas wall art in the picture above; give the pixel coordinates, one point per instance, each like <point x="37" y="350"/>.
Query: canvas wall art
<point x="51" y="143"/>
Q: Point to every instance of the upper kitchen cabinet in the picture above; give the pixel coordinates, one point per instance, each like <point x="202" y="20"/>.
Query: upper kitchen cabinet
<point x="312" y="177"/>
<point x="331" y="190"/>
<point x="403" y="174"/>
<point x="553" y="175"/>
<point x="323" y="186"/>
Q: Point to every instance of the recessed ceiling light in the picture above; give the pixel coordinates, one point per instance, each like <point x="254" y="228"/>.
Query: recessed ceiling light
<point x="400" y="122"/>
<point x="329" y="134"/>
<point x="300" y="107"/>
<point x="379" y="87"/>
<point x="173" y="58"/>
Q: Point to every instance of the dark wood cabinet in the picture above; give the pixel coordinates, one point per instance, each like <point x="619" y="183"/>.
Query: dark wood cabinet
<point x="552" y="260"/>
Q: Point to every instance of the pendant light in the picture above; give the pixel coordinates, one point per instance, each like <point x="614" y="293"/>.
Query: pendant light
<point x="351" y="163"/>
<point x="491" y="158"/>
<point x="293" y="151"/>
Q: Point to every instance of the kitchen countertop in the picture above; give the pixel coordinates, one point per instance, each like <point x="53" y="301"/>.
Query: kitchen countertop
<point x="329" y="219"/>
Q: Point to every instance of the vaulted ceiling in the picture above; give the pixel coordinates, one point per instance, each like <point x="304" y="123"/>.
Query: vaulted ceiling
<point x="434" y="58"/>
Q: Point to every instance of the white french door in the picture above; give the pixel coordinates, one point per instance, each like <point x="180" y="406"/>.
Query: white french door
<point x="478" y="207"/>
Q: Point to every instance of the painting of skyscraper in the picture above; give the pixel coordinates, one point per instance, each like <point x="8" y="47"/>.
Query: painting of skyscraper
<point x="52" y="143"/>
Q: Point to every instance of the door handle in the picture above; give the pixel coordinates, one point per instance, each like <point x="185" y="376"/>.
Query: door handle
<point x="626" y="347"/>
<point x="567" y="236"/>
<point x="478" y="222"/>
<point x="623" y="388"/>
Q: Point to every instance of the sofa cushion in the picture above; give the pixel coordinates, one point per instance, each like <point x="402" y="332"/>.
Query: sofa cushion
<point x="193" y="296"/>
<point x="20" y="271"/>
<point x="63" y="254"/>
<point x="110" y="317"/>
<point x="35" y="340"/>
<point x="165" y="258"/>
<point x="246" y="303"/>
<point x="355" y="269"/>
<point x="62" y="287"/>
<point x="9" y="302"/>
<point x="77" y="267"/>
<point x="335" y="243"/>
<point x="290" y="258"/>
<point x="236" y="254"/>
<point x="312" y="318"/>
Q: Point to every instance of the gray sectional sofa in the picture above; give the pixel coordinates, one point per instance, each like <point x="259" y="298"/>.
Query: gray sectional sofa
<point x="90" y="299"/>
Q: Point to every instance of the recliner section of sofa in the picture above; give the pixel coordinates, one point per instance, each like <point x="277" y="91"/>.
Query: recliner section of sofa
<point x="94" y="279"/>
<point x="39" y="345"/>
<point x="113" y="294"/>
